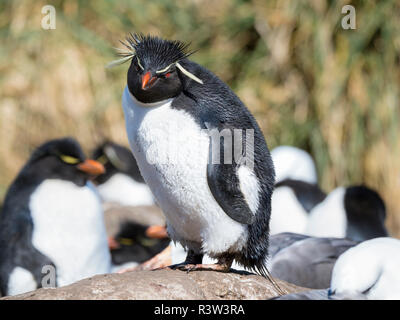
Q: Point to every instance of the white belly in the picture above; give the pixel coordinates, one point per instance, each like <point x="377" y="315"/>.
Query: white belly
<point x="328" y="218"/>
<point x="172" y="153"/>
<point x="287" y="214"/>
<point x="69" y="229"/>
<point x="122" y="189"/>
<point x="20" y="281"/>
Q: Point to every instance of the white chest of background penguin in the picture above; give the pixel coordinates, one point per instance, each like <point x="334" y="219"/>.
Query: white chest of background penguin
<point x="222" y="209"/>
<point x="52" y="216"/>
<point x="122" y="182"/>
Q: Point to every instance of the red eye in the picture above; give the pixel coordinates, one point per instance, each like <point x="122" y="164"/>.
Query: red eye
<point x="167" y="75"/>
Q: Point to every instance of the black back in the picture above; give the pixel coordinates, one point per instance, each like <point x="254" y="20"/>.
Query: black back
<point x="16" y="225"/>
<point x="308" y="194"/>
<point x="116" y="159"/>
<point x="214" y="105"/>
<point x="135" y="246"/>
<point x="366" y="213"/>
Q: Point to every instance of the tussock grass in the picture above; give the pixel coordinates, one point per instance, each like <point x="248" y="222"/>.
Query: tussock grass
<point x="310" y="83"/>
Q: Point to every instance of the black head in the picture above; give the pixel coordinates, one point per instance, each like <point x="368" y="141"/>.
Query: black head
<point x="155" y="73"/>
<point x="366" y="213"/>
<point x="116" y="158"/>
<point x="61" y="159"/>
<point x="132" y="243"/>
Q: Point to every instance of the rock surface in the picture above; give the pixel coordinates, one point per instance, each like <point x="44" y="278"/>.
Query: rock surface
<point x="165" y="284"/>
<point x="161" y="284"/>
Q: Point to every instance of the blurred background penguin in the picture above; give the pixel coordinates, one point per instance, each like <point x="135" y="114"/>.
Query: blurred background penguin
<point x="326" y="97"/>
<point x="329" y="91"/>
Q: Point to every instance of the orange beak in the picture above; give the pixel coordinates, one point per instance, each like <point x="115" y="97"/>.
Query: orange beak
<point x="157" y="232"/>
<point x="91" y="167"/>
<point x="147" y="80"/>
<point x="112" y="243"/>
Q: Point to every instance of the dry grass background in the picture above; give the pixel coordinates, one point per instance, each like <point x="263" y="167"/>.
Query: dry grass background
<point x="310" y="83"/>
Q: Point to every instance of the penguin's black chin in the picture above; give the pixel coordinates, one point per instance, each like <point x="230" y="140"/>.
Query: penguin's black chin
<point x="81" y="181"/>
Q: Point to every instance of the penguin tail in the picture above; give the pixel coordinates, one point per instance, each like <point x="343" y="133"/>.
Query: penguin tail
<point x="264" y="272"/>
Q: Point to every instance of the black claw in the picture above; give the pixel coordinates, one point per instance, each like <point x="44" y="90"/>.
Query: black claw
<point x="189" y="269"/>
<point x="177" y="266"/>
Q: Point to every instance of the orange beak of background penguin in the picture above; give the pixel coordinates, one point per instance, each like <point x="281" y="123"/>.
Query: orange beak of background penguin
<point x="91" y="167"/>
<point x="157" y="232"/>
<point x="147" y="80"/>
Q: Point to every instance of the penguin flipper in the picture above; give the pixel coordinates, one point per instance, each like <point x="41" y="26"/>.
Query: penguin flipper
<point x="35" y="263"/>
<point x="224" y="185"/>
<point x="19" y="246"/>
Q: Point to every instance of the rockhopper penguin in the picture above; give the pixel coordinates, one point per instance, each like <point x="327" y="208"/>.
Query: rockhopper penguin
<point x="122" y="182"/>
<point x="171" y="105"/>
<point x="132" y="243"/>
<point x="52" y="216"/>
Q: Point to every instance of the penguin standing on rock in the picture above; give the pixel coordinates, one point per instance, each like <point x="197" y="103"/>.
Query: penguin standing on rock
<point x="52" y="216"/>
<point x="173" y="109"/>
